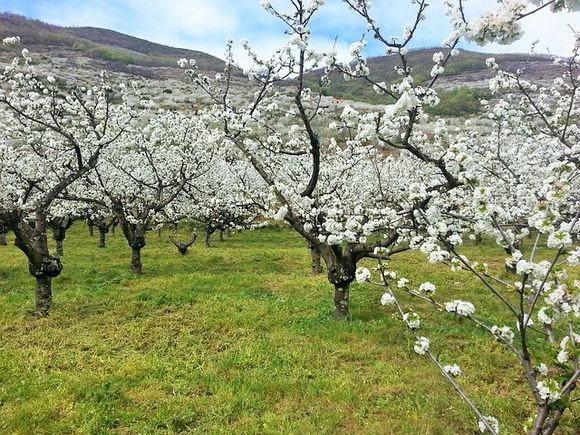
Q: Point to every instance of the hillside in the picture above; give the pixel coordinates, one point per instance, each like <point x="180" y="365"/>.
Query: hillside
<point x="79" y="51"/>
<point x="466" y="70"/>
<point x="116" y="50"/>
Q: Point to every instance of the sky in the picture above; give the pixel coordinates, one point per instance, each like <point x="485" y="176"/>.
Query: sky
<point x="205" y="25"/>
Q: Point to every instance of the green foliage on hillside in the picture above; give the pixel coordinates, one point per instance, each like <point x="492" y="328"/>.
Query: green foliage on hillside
<point x="460" y="101"/>
<point x="462" y="69"/>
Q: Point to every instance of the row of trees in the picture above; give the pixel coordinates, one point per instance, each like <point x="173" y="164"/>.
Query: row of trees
<point x="389" y="180"/>
<point x="71" y="154"/>
<point x="354" y="185"/>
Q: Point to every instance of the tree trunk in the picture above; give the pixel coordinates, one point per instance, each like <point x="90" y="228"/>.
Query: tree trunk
<point x="341" y="266"/>
<point x="32" y="241"/>
<point x="91" y="229"/>
<point x="60" y="248"/>
<point x="478" y="239"/>
<point x="221" y="235"/>
<point x="541" y="416"/>
<point x="43" y="295"/>
<point x="135" y="236"/>
<point x="207" y="236"/>
<point x="553" y="422"/>
<point x="159" y="232"/>
<point x="136" y="265"/>
<point x="315" y="257"/>
<point x="102" y="238"/>
<point x="341" y="301"/>
<point x="175" y="226"/>
<point x="3" y="241"/>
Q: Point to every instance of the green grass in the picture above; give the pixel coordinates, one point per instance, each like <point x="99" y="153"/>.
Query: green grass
<point x="238" y="338"/>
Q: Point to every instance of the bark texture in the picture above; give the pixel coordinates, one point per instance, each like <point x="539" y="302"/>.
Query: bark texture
<point x="316" y="265"/>
<point x="60" y="225"/>
<point x="43" y="299"/>
<point x="208" y="233"/>
<point x="31" y="239"/>
<point x="341" y="273"/>
<point x="136" y="265"/>
<point x="135" y="235"/>
<point x="60" y="248"/>
<point x="102" y="239"/>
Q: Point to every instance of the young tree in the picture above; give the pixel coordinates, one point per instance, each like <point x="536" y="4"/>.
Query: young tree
<point x="52" y="137"/>
<point x="181" y="246"/>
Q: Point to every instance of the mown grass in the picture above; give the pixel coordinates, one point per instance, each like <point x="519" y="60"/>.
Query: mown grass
<point x="238" y="338"/>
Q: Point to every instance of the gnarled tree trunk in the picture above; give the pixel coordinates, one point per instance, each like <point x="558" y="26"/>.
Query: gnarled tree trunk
<point x="316" y="266"/>
<point x="60" y="226"/>
<point x="136" y="265"/>
<point x="104" y="225"/>
<point x="60" y="248"/>
<point x="208" y="232"/>
<point x="135" y="235"/>
<point x="43" y="295"/>
<point x="341" y="273"/>
<point x="31" y="239"/>
<point x="48" y="268"/>
<point x="102" y="238"/>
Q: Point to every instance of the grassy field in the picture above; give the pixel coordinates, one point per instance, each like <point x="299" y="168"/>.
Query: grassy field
<point x="237" y="338"/>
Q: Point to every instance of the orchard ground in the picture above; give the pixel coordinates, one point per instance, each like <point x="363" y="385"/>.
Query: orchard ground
<point x="239" y="338"/>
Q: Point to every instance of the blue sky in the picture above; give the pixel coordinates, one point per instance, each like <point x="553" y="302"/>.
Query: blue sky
<point x="206" y="24"/>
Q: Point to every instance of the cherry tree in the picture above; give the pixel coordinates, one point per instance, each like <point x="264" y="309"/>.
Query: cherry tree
<point x="528" y="172"/>
<point x="102" y="218"/>
<point x="62" y="215"/>
<point x="444" y="195"/>
<point x="319" y="180"/>
<point x="141" y="180"/>
<point x="225" y="198"/>
<point x="51" y="138"/>
<point x="517" y="177"/>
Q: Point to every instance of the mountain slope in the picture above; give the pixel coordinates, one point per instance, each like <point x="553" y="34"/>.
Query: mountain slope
<point x="83" y="50"/>
<point x="468" y="69"/>
<point x="99" y="44"/>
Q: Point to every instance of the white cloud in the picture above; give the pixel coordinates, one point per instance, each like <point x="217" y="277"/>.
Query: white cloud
<point x="95" y="14"/>
<point x="206" y="24"/>
<point x="194" y="18"/>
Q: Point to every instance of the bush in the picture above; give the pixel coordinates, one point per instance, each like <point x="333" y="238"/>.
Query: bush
<point x="460" y="101"/>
